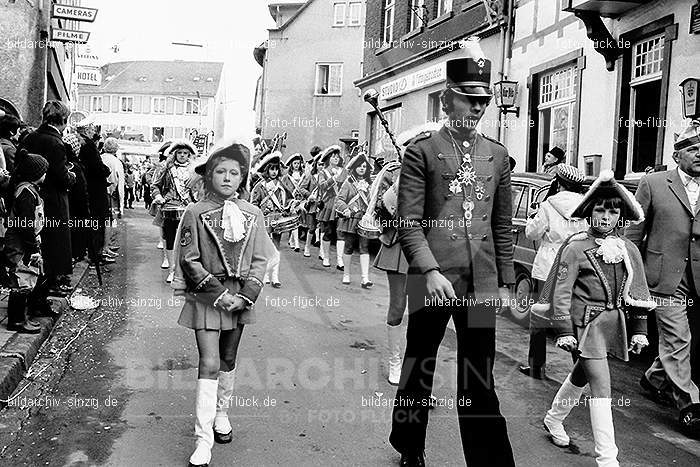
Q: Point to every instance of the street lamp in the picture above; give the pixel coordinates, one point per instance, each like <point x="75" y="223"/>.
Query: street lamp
<point x="506" y="93"/>
<point x="690" y="91"/>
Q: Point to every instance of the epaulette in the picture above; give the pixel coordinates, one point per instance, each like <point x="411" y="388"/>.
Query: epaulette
<point x="493" y="140"/>
<point x="421" y="136"/>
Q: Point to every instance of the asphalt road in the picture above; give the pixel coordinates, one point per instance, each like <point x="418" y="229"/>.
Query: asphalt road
<point x="117" y="383"/>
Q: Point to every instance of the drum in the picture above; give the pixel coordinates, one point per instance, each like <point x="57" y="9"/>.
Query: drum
<point x="284" y="224"/>
<point x="369" y="228"/>
<point x="172" y="213"/>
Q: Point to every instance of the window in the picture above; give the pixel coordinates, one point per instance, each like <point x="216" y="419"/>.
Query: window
<point x="645" y="95"/>
<point x="435" y="113"/>
<point x="444" y="6"/>
<point x="329" y="79"/>
<point x="192" y="106"/>
<point x="416" y="13"/>
<point x="556" y="111"/>
<point x="339" y="14"/>
<point x="355" y="16"/>
<point x="519" y="201"/>
<point x="379" y="139"/>
<point x="126" y="104"/>
<point x="96" y="104"/>
<point x="388" y="22"/>
<point x="159" y="105"/>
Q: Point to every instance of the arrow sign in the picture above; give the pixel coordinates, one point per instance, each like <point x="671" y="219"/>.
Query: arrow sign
<point x="76" y="13"/>
<point x="66" y="35"/>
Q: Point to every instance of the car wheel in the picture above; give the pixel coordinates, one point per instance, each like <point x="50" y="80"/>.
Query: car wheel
<point x="523" y="291"/>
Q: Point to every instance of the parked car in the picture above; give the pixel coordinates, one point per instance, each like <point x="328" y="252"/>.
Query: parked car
<point x="529" y="189"/>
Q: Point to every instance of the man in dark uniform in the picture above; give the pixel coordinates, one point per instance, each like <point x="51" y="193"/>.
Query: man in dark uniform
<point x="454" y="206"/>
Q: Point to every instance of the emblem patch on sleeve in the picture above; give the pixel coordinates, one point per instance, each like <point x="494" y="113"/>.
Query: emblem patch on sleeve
<point x="563" y="272"/>
<point x="186" y="236"/>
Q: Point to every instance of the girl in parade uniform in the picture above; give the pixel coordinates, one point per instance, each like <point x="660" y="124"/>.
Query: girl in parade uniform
<point x="271" y="196"/>
<point x="597" y="278"/>
<point x="292" y="182"/>
<point x="171" y="191"/>
<point x="222" y="255"/>
<point x="390" y="258"/>
<point x="350" y="205"/>
<point x="330" y="180"/>
<point x="308" y="218"/>
<point x="155" y="209"/>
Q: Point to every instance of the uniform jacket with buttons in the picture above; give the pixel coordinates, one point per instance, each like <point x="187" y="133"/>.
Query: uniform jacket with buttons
<point x="426" y="206"/>
<point x="206" y="259"/>
<point x="577" y="289"/>
<point x="671" y="229"/>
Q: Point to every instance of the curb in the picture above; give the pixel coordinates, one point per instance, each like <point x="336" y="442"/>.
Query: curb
<point x="19" y="352"/>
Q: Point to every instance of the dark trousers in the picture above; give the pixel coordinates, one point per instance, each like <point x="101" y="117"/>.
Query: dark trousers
<point x="482" y="427"/>
<point x="537" y="355"/>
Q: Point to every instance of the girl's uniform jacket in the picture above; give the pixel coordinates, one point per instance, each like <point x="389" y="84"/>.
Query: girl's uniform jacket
<point x="577" y="290"/>
<point x="309" y="185"/>
<point x="271" y="197"/>
<point x="328" y="190"/>
<point x="353" y="195"/>
<point x="206" y="259"/>
<point x="172" y="184"/>
<point x="553" y="225"/>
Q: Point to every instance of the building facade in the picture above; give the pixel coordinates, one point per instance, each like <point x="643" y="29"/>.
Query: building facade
<point x="600" y="79"/>
<point x="406" y="47"/>
<point x="153" y="101"/>
<point x="34" y="69"/>
<point x="310" y="61"/>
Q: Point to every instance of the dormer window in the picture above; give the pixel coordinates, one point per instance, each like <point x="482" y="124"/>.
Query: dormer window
<point x="209" y="80"/>
<point x="196" y="78"/>
<point x="169" y="79"/>
<point x="142" y="78"/>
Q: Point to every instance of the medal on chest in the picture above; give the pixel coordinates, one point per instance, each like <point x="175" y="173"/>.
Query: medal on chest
<point x="466" y="182"/>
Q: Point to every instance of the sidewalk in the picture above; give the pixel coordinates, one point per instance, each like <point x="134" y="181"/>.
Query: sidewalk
<point x="17" y="351"/>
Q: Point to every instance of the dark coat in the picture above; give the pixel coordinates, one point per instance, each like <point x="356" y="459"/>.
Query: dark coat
<point x="96" y="173"/>
<point x="432" y="230"/>
<point x="672" y="230"/>
<point x="55" y="238"/>
<point x="79" y="203"/>
<point x="9" y="150"/>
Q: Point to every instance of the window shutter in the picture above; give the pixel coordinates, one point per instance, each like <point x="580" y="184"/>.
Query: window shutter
<point x="335" y="80"/>
<point x="137" y="104"/>
<point x="146" y="104"/>
<point x="169" y="107"/>
<point x="695" y="19"/>
<point x="204" y="106"/>
<point x="115" y="103"/>
<point x="179" y="106"/>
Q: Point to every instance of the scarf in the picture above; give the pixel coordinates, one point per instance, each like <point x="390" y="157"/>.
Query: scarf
<point x="181" y="175"/>
<point x="233" y="222"/>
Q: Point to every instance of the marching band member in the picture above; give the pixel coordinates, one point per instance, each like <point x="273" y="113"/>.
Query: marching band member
<point x="596" y="280"/>
<point x="350" y="205"/>
<point x="390" y="258"/>
<point x="222" y="254"/>
<point x="172" y="193"/>
<point x="155" y="209"/>
<point x="330" y="181"/>
<point x="310" y="185"/>
<point x="292" y="182"/>
<point x="271" y="196"/>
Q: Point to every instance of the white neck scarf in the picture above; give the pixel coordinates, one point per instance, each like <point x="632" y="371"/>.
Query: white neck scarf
<point x="233" y="221"/>
<point x="612" y="249"/>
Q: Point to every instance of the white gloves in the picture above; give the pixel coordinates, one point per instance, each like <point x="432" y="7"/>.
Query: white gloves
<point x="568" y="343"/>
<point x="637" y="343"/>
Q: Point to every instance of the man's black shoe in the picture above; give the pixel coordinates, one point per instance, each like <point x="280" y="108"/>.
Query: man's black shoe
<point x="690" y="420"/>
<point x="532" y="371"/>
<point x="656" y="395"/>
<point x="416" y="459"/>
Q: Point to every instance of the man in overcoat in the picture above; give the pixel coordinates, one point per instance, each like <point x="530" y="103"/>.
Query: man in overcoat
<point x="55" y="237"/>
<point x="454" y="206"/>
<point x="672" y="262"/>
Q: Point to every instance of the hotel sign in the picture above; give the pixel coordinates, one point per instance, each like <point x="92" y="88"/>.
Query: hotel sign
<point x="75" y="13"/>
<point x="87" y="75"/>
<point x="416" y="80"/>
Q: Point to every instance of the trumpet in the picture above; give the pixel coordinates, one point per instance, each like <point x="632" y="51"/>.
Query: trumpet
<point x="371" y="96"/>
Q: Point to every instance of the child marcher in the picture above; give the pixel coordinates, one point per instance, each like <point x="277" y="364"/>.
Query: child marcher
<point x="219" y="268"/>
<point x="22" y="250"/>
<point x="597" y="278"/>
<point x="292" y="181"/>
<point x="350" y="205"/>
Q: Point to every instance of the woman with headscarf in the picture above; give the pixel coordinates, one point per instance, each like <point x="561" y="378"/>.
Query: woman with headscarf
<point x="171" y="191"/>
